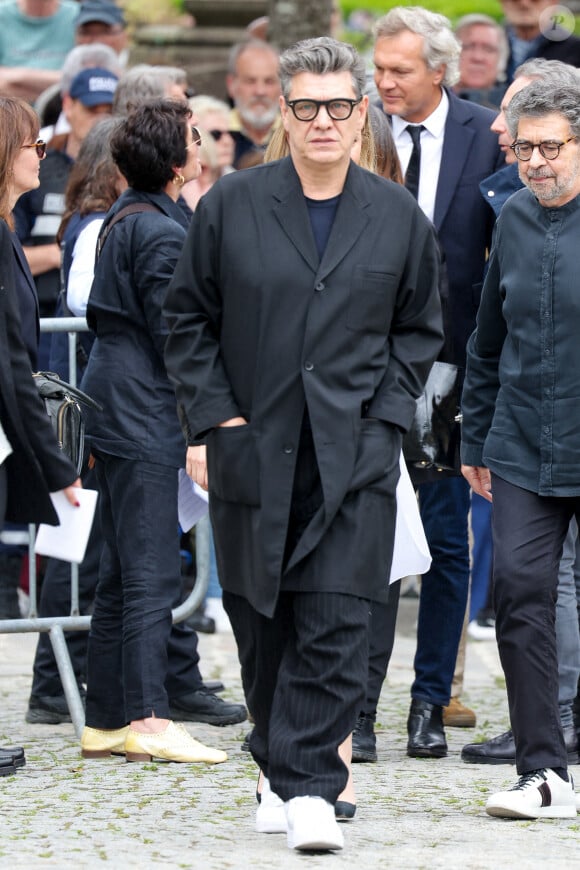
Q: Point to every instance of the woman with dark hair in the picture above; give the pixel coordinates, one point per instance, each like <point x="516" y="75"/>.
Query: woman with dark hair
<point x="137" y="444"/>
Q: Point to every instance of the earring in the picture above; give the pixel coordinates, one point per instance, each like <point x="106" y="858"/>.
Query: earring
<point x="178" y="179"/>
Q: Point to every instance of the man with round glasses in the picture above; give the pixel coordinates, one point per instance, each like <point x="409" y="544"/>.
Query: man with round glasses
<point x="520" y="440"/>
<point x="304" y="317"/>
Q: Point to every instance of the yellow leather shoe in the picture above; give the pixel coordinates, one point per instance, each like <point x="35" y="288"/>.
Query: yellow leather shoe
<point x="173" y="744"/>
<point x="456" y="715"/>
<point x="97" y="743"/>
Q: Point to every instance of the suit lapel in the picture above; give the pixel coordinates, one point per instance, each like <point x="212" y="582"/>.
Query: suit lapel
<point x="350" y="221"/>
<point x="292" y="215"/>
<point x="457" y="145"/>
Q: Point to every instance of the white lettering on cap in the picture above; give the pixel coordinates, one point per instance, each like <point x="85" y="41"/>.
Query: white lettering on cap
<point x="100" y="83"/>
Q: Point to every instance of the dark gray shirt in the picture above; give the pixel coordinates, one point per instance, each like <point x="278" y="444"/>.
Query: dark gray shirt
<point x="521" y="399"/>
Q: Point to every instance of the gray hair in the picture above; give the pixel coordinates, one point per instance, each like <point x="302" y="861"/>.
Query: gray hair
<point x="320" y="56"/>
<point x="555" y="71"/>
<point x="204" y="104"/>
<point x="441" y="47"/>
<point x="466" y="22"/>
<point x="84" y="56"/>
<point x="144" y="82"/>
<point x="247" y="45"/>
<point x="544" y="98"/>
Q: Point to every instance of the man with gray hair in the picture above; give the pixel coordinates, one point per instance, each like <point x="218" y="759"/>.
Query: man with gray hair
<point x="304" y="317"/>
<point x="484" y="51"/>
<point x="521" y="424"/>
<point x="497" y="189"/>
<point x="254" y="88"/>
<point x="446" y="148"/>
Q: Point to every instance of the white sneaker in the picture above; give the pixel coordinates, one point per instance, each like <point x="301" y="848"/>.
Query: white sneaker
<point x="481" y="629"/>
<point x="270" y="815"/>
<point x="215" y="608"/>
<point x="312" y="824"/>
<point x="540" y="794"/>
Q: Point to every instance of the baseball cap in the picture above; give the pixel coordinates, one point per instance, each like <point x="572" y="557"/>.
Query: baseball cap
<point x="100" y="10"/>
<point x="93" y="86"/>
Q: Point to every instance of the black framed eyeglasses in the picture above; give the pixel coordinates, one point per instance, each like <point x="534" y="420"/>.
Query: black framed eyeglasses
<point x="550" y="150"/>
<point x="217" y="134"/>
<point x="338" y="110"/>
<point x="40" y="146"/>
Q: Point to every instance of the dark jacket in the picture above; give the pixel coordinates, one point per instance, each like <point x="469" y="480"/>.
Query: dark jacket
<point x="567" y="50"/>
<point x="261" y="328"/>
<point x="126" y="371"/>
<point x="462" y="219"/>
<point x="521" y="402"/>
<point x="36" y="466"/>
<point x="497" y="188"/>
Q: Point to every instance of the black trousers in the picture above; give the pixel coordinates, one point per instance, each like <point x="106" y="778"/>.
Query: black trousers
<point x="183" y="659"/>
<point x="304" y="674"/>
<point x="528" y="534"/>
<point x="139" y="583"/>
<point x="381" y="640"/>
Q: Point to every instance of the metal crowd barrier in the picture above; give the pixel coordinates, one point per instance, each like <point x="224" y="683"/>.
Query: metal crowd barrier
<point x="57" y="625"/>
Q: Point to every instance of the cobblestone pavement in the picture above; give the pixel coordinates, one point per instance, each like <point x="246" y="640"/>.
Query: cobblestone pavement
<point x="63" y="811"/>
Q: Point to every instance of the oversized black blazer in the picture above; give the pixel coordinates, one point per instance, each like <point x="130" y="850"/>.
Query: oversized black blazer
<point x="462" y="218"/>
<point x="37" y="466"/>
<point x="260" y="326"/>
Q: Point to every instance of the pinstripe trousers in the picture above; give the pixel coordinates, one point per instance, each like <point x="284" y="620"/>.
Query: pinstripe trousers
<point x="304" y="674"/>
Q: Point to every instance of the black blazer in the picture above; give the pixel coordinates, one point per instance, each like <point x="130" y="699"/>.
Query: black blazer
<point x="260" y="326"/>
<point x="37" y="466"/>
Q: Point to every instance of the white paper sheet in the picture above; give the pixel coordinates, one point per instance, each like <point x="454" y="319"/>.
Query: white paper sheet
<point x="411" y="552"/>
<point x="192" y="501"/>
<point x="68" y="541"/>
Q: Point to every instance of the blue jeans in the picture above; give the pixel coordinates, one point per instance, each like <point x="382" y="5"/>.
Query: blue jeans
<point x="444" y="509"/>
<point x="482" y="554"/>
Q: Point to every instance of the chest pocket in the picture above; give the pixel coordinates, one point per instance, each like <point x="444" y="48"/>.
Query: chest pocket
<point x="372" y="299"/>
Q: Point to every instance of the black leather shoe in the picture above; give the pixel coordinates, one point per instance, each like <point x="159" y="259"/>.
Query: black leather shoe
<point x="344" y="811"/>
<point x="245" y="747"/>
<point x="7" y="766"/>
<point x="202" y="706"/>
<point x="200" y="622"/>
<point x="425" y="730"/>
<point x="16" y="753"/>
<point x="49" y="709"/>
<point x="502" y="749"/>
<point x="213" y="686"/>
<point x="364" y="742"/>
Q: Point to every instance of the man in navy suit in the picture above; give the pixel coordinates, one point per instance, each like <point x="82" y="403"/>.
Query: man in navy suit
<point x="416" y="63"/>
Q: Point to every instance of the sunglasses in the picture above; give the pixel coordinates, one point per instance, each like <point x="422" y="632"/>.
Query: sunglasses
<point x="217" y="134"/>
<point x="40" y="146"/>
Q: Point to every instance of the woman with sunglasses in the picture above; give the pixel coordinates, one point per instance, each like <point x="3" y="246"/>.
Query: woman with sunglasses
<point x="20" y="154"/>
<point x="213" y="117"/>
<point x="137" y="444"/>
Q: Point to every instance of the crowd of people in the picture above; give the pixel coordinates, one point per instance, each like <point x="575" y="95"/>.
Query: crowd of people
<point x="268" y="275"/>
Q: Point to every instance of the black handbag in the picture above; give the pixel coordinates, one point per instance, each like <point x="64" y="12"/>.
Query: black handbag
<point x="435" y="433"/>
<point x="63" y="402"/>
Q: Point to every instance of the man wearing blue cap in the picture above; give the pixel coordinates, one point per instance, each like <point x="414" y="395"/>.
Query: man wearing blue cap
<point x="39" y="212"/>
<point x="102" y="21"/>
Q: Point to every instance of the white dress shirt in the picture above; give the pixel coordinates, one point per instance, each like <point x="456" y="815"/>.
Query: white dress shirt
<point x="431" y="149"/>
